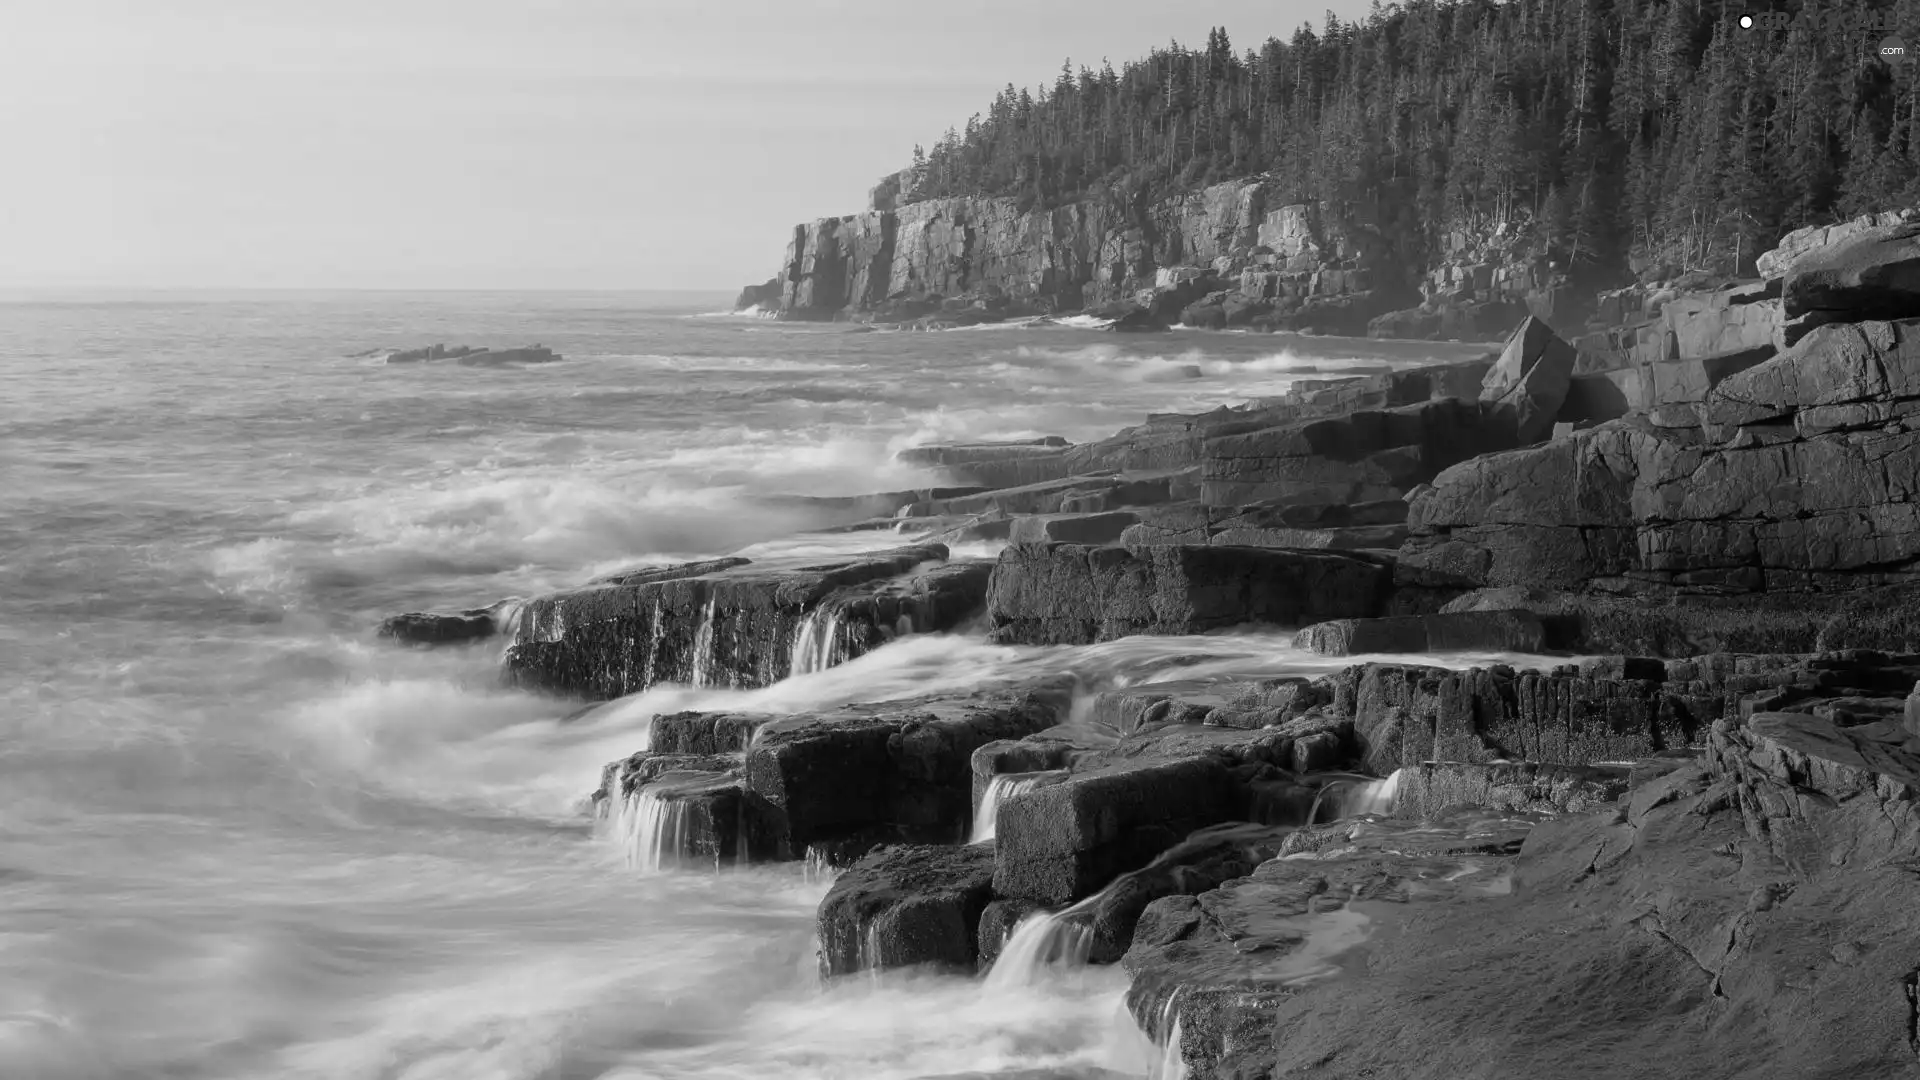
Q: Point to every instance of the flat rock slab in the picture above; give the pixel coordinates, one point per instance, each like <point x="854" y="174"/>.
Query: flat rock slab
<point x="997" y="465"/>
<point x="1052" y="496"/>
<point x="1064" y="841"/>
<point x="1871" y="274"/>
<point x="1072" y="594"/>
<point x="906" y="906"/>
<point x="741" y="625"/>
<point x="1364" y="456"/>
<point x="706" y="732"/>
<point x="1230" y="957"/>
<point x="1489" y="631"/>
<point x="1103" y="528"/>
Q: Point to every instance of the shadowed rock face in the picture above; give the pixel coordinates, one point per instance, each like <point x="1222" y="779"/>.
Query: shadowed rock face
<point x="735" y="625"/>
<point x="763" y="787"/>
<point x="1060" y="594"/>
<point x="903" y="765"/>
<point x="430" y="628"/>
<point x="1801" y="480"/>
<point x="905" y="906"/>
<point x="1361" y="456"/>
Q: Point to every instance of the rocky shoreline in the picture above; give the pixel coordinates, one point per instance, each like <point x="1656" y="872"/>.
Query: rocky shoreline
<point x="1682" y="845"/>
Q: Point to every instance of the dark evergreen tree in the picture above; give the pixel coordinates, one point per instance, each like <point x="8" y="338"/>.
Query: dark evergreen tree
<point x="1613" y="128"/>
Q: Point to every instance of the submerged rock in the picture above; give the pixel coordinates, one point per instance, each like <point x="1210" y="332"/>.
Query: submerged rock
<point x="432" y="628"/>
<point x="475" y="355"/>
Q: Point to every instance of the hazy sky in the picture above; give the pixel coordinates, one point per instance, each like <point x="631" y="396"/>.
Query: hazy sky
<point x="498" y="143"/>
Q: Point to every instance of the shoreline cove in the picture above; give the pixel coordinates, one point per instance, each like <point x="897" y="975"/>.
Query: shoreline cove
<point x="710" y="699"/>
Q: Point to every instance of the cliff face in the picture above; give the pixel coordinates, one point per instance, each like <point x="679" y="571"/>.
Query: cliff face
<point x="1232" y="252"/>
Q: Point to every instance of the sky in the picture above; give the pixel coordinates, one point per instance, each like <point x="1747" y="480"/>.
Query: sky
<point x="499" y="144"/>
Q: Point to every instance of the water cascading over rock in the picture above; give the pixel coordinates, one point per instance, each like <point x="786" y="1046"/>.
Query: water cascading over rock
<point x="1004" y="786"/>
<point x="729" y="623"/>
<point x="1042" y="943"/>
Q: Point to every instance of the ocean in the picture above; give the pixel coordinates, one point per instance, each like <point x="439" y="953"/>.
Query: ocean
<point x="242" y="838"/>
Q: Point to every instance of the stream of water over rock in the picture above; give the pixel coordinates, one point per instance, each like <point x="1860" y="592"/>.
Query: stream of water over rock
<point x="239" y="837"/>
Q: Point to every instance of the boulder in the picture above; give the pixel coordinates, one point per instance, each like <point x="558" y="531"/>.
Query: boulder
<point x="1528" y="384"/>
<point x="1799" y="242"/>
<point x="1050" y="594"/>
<point x="765" y="297"/>
<point x="904" y="766"/>
<point x="1063" y="841"/>
<point x="529" y="354"/>
<point x="1873" y="273"/>
<point x="904" y="906"/>
<point x="1139" y="321"/>
<point x="430" y="628"/>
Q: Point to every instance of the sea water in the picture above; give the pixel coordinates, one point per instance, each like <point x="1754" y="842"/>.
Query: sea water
<point x="241" y="838"/>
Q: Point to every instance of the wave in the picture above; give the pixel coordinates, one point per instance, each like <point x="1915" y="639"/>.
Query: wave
<point x="751" y="311"/>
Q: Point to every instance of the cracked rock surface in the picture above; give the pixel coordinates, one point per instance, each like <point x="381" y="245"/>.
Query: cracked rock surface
<point x="1747" y="914"/>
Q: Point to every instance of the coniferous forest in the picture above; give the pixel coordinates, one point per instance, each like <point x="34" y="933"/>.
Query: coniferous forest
<point x="1644" y="135"/>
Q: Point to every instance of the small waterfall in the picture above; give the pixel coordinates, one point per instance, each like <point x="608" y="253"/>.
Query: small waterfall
<point x="703" y="648"/>
<point x="1003" y="786"/>
<point x="1171" y="1066"/>
<point x="507" y="616"/>
<point x="1371" y="796"/>
<point x="870" y="951"/>
<point x="1043" y="942"/>
<point x="816" y="641"/>
<point x="652" y="830"/>
<point x="1355" y="796"/>
<point x="818" y="869"/>
<point x="656" y="631"/>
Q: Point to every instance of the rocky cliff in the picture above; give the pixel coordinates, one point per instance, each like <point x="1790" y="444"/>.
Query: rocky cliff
<point x="1230" y="254"/>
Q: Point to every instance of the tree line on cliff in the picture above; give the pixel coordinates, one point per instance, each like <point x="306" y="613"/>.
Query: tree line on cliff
<point x="1644" y="133"/>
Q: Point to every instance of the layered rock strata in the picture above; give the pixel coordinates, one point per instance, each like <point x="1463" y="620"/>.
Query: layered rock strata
<point x="740" y="625"/>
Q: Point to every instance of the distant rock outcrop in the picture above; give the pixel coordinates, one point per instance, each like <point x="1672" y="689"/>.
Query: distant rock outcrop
<point x="475" y="356"/>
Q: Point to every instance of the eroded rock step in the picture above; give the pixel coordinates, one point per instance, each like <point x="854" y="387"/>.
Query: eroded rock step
<point x="834" y="783"/>
<point x="736" y="623"/>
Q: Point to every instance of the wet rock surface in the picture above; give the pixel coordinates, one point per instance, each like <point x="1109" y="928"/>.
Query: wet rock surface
<point x="905" y="906"/>
<point x="740" y="625"/>
<point x="906" y="766"/>
<point x="433" y="628"/>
